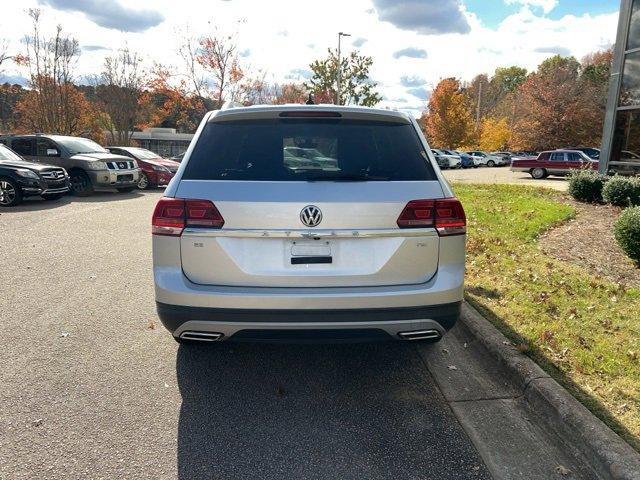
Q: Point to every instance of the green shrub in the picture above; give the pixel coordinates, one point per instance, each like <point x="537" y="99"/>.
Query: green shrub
<point x="622" y="191"/>
<point x="586" y="185"/>
<point x="627" y="233"/>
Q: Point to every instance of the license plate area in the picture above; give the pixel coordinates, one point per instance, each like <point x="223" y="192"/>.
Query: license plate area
<point x="311" y="253"/>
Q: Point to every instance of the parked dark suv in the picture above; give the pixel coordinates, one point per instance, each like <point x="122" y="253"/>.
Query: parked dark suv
<point x="19" y="179"/>
<point x="90" y="166"/>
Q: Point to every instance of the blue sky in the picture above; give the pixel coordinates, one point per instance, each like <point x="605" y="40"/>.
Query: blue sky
<point x="492" y="12"/>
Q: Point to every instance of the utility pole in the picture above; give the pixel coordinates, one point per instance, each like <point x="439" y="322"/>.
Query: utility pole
<point x="340" y="35"/>
<point x="479" y="103"/>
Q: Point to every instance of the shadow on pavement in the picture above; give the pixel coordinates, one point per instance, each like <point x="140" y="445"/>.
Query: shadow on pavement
<point x="33" y="204"/>
<point x="315" y="411"/>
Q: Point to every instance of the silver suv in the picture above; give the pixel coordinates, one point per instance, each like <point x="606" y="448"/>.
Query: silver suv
<point x="255" y="241"/>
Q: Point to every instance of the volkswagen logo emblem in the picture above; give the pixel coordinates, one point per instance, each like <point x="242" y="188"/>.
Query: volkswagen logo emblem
<point x="311" y="216"/>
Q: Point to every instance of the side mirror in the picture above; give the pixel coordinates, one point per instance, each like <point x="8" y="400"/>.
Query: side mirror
<point x="52" y="152"/>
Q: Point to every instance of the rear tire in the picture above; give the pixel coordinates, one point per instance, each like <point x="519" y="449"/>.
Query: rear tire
<point x="491" y="163"/>
<point x="80" y="183"/>
<point x="126" y="189"/>
<point x="10" y="193"/>
<point x="52" y="196"/>
<point x="539" y="173"/>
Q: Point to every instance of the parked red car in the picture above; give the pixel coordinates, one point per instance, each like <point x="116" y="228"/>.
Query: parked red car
<point x="155" y="171"/>
<point x="555" y="162"/>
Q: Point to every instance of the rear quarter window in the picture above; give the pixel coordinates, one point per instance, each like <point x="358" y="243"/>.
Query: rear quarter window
<point x="301" y="149"/>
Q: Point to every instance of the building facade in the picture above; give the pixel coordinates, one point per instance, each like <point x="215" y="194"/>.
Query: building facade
<point x="621" y="136"/>
<point x="166" y="142"/>
<point x="163" y="141"/>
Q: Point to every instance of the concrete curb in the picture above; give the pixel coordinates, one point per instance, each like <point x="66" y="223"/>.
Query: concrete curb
<point x="578" y="429"/>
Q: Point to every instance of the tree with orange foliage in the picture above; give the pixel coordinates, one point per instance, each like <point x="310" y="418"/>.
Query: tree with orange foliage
<point x="53" y="104"/>
<point x="290" y="93"/>
<point x="448" y="122"/>
<point x="218" y="56"/>
<point x="168" y="102"/>
<point x="560" y="105"/>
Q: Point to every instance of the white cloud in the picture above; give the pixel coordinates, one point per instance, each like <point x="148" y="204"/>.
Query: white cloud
<point x="545" y="5"/>
<point x="523" y="38"/>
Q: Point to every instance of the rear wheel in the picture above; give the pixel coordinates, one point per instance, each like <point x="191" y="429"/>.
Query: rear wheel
<point x="126" y="189"/>
<point x="80" y="183"/>
<point x="539" y="173"/>
<point x="491" y="163"/>
<point x="52" y="196"/>
<point x="10" y="193"/>
<point x="143" y="181"/>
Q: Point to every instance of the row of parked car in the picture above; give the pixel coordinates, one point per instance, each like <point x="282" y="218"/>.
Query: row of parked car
<point x="473" y="159"/>
<point x="52" y="165"/>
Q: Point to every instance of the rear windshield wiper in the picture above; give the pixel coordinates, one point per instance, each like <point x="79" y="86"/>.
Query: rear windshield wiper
<point x="344" y="177"/>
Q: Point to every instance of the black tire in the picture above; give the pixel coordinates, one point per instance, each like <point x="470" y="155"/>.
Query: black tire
<point x="126" y="189"/>
<point x="80" y="183"/>
<point x="52" y="196"/>
<point x="10" y="193"/>
<point x="143" y="181"/>
<point x="539" y="173"/>
<point x="491" y="163"/>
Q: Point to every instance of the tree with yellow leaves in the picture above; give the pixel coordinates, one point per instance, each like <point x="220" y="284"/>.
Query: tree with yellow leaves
<point x="495" y="134"/>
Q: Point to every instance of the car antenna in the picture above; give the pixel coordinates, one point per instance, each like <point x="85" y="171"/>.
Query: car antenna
<point x="310" y="100"/>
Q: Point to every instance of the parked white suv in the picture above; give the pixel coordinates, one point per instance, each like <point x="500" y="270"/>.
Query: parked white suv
<point x="484" y="158"/>
<point x="367" y="242"/>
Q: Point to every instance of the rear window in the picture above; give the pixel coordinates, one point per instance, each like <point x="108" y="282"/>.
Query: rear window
<point x="308" y="149"/>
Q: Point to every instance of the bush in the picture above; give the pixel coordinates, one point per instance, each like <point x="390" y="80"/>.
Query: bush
<point x="627" y="233"/>
<point x="586" y="185"/>
<point x="622" y="191"/>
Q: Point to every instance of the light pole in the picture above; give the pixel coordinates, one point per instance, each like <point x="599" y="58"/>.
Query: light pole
<point x="340" y="35"/>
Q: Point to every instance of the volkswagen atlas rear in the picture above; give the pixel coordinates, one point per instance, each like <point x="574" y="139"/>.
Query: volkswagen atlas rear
<point x="308" y="223"/>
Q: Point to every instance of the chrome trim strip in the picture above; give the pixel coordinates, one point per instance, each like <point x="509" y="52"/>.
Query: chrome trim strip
<point x="338" y="233"/>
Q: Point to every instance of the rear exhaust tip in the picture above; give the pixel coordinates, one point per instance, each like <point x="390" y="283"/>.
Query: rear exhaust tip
<point x="433" y="335"/>
<point x="201" y="336"/>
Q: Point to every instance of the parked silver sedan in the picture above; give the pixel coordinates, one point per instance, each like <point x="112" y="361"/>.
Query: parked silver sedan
<point x="369" y="245"/>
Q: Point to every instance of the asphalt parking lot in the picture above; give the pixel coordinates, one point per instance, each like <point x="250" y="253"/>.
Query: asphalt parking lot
<point x="502" y="175"/>
<point x="94" y="387"/>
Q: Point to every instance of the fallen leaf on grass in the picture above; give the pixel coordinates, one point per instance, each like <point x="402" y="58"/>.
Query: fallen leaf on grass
<point x="452" y="367"/>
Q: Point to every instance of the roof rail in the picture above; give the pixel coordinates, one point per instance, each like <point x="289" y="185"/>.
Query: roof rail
<point x="231" y="104"/>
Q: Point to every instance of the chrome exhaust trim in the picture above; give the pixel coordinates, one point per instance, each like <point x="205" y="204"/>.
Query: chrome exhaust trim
<point x="420" y="335"/>
<point x="201" y="336"/>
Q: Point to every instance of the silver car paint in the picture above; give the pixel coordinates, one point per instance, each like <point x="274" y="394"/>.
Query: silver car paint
<point x="365" y="212"/>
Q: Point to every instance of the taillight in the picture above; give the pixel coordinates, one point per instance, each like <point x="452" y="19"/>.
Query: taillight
<point x="450" y="217"/>
<point x="446" y="215"/>
<point x="417" y="213"/>
<point x="203" y="213"/>
<point x="172" y="215"/>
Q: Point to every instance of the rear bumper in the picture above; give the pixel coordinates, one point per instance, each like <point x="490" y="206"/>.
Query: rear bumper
<point x="243" y="324"/>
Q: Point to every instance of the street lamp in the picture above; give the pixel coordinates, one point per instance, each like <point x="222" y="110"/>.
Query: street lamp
<point x="340" y="35"/>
